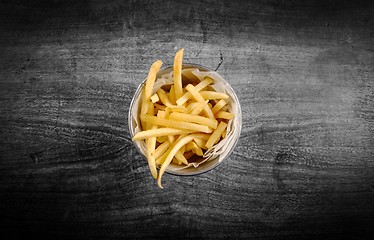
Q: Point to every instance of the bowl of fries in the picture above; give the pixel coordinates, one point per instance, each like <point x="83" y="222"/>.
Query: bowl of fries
<point x="185" y="119"/>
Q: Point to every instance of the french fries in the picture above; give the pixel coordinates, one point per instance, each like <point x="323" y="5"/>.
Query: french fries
<point x="198" y="87"/>
<point x="224" y="115"/>
<point x="216" y="135"/>
<point x="218" y="106"/>
<point x="195" y="93"/>
<point x="210" y="95"/>
<point x="200" y="143"/>
<point x="178" y="73"/>
<point x="194" y="119"/>
<point x="195" y="110"/>
<point x="151" y="78"/>
<point x="158" y="133"/>
<point x="161" y="149"/>
<point x="151" y="145"/>
<point x="164" y="98"/>
<point x="192" y="127"/>
<point x="179" y="123"/>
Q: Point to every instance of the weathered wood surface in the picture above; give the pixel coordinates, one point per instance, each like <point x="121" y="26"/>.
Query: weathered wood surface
<point x="303" y="71"/>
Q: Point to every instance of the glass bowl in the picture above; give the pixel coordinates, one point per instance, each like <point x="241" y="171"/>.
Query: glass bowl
<point x="208" y="165"/>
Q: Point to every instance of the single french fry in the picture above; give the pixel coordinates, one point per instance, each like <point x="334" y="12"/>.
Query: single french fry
<point x="151" y="78"/>
<point x="180" y="109"/>
<point x="194" y="119"/>
<point x="161" y="114"/>
<point x="203" y="136"/>
<point x="208" y="112"/>
<point x="224" y="115"/>
<point x="197" y="110"/>
<point x="195" y="94"/>
<point x="172" y="95"/>
<point x="183" y="149"/>
<point x="208" y="79"/>
<point x="183" y="99"/>
<point x="177" y="68"/>
<point x="151" y="142"/>
<point x="179" y="156"/>
<point x="151" y="145"/>
<point x="161" y="159"/>
<point x="146" y="107"/>
<point x="200" y="143"/>
<point x="198" y="151"/>
<point x="171" y="139"/>
<point x="201" y="85"/>
<point x="161" y="149"/>
<point x="192" y="127"/>
<point x="159" y="132"/>
<point x="218" y="106"/>
<point x="191" y="146"/>
<point x="152" y="165"/>
<point x="151" y="108"/>
<point x="164" y="98"/>
<point x="216" y="135"/>
<point x="192" y="106"/>
<point x="224" y="134"/>
<point x="167" y="112"/>
<point x="206" y="82"/>
<point x="144" y="104"/>
<point x="161" y="139"/>
<point x="155" y="98"/>
<point x="210" y="95"/>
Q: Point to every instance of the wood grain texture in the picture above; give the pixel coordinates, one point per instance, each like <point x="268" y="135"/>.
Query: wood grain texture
<point x="304" y="164"/>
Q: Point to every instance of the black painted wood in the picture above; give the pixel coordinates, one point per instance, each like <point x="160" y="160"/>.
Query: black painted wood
<point x="304" y="164"/>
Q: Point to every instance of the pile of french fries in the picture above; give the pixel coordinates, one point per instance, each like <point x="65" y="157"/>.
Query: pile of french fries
<point x="179" y="124"/>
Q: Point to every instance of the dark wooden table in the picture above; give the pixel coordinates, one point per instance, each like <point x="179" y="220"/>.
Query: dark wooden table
<point x="304" y="164"/>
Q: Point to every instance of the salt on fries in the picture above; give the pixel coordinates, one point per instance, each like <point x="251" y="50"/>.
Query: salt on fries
<point x="180" y="123"/>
